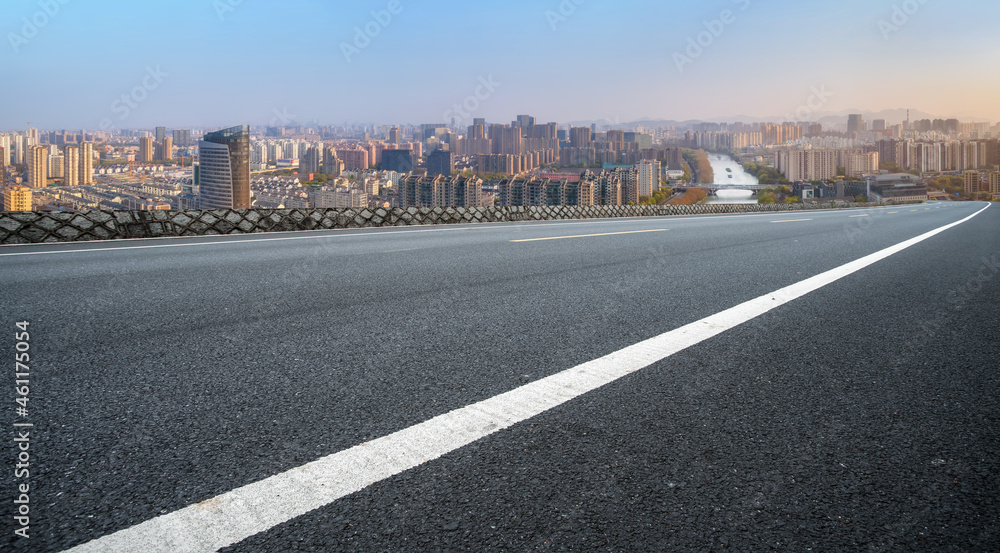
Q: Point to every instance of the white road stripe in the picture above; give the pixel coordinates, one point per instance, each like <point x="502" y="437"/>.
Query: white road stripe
<point x="236" y="515"/>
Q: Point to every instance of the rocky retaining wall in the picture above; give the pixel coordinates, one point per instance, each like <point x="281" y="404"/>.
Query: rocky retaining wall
<point x="71" y="226"/>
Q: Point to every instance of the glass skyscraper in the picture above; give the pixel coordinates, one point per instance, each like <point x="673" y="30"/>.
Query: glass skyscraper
<point x="224" y="177"/>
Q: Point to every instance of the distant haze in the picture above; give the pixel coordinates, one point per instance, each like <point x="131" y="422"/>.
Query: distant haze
<point x="210" y="63"/>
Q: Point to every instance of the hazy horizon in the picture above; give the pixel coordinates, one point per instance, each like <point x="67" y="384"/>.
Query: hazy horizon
<point x="214" y="63"/>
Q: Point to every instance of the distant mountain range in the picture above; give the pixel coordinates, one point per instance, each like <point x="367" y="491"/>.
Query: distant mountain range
<point x="829" y="120"/>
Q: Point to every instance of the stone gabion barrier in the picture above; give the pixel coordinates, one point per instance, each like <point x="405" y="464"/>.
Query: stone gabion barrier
<point x="31" y="227"/>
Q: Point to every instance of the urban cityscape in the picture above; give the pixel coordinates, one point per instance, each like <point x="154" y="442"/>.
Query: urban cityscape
<point x="524" y="163"/>
<point x="531" y="276"/>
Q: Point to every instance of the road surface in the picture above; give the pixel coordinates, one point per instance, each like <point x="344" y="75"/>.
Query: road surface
<point x="201" y="394"/>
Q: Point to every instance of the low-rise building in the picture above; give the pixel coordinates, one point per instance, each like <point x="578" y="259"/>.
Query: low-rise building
<point x="898" y="187"/>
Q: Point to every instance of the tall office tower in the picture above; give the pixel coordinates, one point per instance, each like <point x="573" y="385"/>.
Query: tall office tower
<point x="3" y="166"/>
<point x="972" y="181"/>
<point x="479" y="121"/>
<point x="161" y="133"/>
<point x="38" y="166"/>
<point x="17" y="198"/>
<point x="224" y="174"/>
<point x="878" y="125"/>
<point x="86" y="163"/>
<point x="855" y="123"/>
<point x="580" y="137"/>
<point x="146" y="151"/>
<point x="71" y="166"/>
<point x="309" y="162"/>
<point x="440" y="162"/>
<point x="395" y="136"/>
<point x="649" y="177"/>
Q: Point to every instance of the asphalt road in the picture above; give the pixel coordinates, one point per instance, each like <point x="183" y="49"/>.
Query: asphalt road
<point x="864" y="416"/>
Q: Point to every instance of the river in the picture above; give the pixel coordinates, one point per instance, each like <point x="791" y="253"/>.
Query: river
<point x="719" y="165"/>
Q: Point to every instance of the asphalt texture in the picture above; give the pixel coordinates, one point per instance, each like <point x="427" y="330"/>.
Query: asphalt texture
<point x="861" y="417"/>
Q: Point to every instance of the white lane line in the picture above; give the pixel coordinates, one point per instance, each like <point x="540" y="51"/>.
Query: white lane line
<point x="236" y="515"/>
<point x="791" y="220"/>
<point x="589" y="235"/>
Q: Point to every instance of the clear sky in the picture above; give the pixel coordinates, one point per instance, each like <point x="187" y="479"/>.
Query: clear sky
<point x="206" y="63"/>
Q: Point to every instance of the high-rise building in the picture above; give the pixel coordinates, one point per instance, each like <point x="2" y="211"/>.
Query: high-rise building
<point x="161" y="133"/>
<point x="71" y="166"/>
<point x="182" y="138"/>
<point x="506" y="140"/>
<point x="878" y="125"/>
<point x="146" y="152"/>
<point x="3" y="167"/>
<point x="38" y="166"/>
<point x="649" y="177"/>
<point x="309" y="162"/>
<point x="477" y="132"/>
<point x="580" y="137"/>
<point x="400" y="161"/>
<point x="165" y="149"/>
<point x="855" y="123"/>
<point x="332" y="166"/>
<point x="224" y="175"/>
<point x="86" y="163"/>
<point x="972" y="182"/>
<point x="440" y="162"/>
<point x="395" y="136"/>
<point x="56" y="165"/>
<point x="859" y="164"/>
<point x="17" y="198"/>
<point x="995" y="182"/>
<point x="356" y="160"/>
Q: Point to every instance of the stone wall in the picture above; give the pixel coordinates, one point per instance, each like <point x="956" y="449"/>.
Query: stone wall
<point x="71" y="226"/>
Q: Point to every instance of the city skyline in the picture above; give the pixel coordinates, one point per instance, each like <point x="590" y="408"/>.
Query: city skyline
<point x="381" y="62"/>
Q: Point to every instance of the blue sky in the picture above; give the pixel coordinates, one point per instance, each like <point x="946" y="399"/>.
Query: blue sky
<point x="223" y="62"/>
